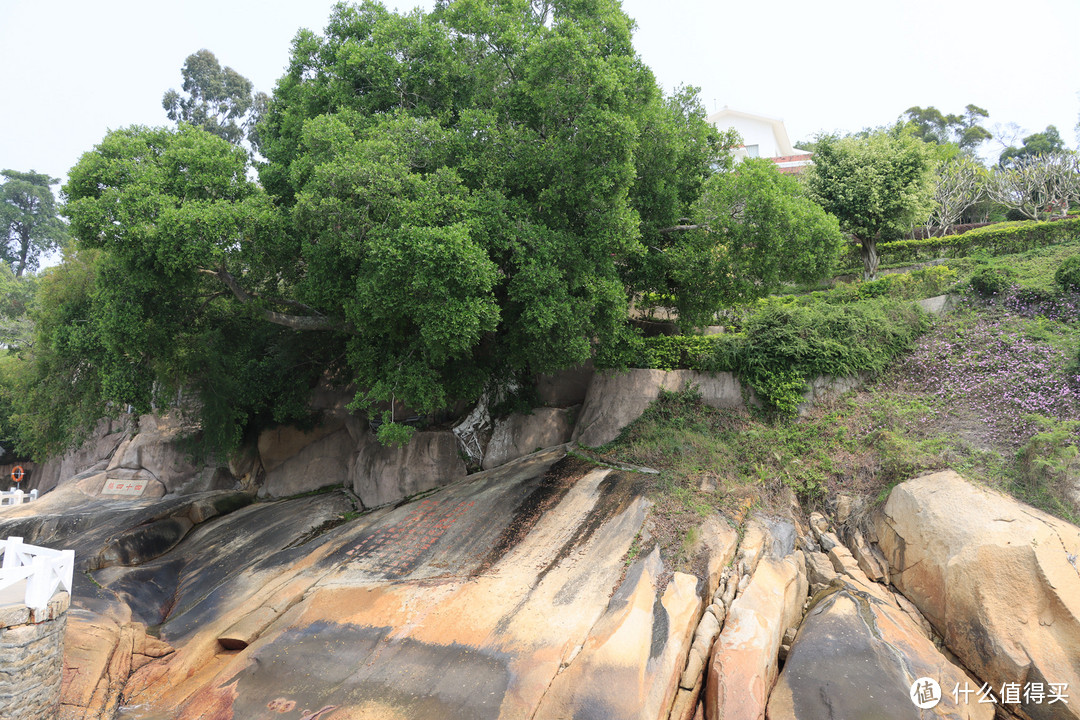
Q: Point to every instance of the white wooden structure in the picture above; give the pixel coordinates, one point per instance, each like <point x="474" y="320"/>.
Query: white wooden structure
<point x="17" y="497"/>
<point x="44" y="570"/>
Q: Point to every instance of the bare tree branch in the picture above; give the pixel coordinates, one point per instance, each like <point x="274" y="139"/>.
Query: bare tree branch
<point x="296" y="322"/>
<point x="677" y="228"/>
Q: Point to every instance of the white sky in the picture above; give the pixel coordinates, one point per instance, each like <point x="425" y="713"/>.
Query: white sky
<point x="72" y="69"/>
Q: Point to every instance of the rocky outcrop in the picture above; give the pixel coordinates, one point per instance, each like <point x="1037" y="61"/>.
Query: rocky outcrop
<point x="996" y="578"/>
<point x="828" y="387"/>
<point x="857" y="655"/>
<point x="99" y="657"/>
<point x="744" y="661"/>
<point x="381" y="474"/>
<point x="631" y="662"/>
<point x="615" y="399"/>
<point x="297" y="462"/>
<point x="518" y="435"/>
<point x="566" y="387"/>
<point x="158" y="450"/>
<point x="93" y="455"/>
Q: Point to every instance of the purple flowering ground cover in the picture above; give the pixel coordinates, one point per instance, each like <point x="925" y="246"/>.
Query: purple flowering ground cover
<point x="998" y="363"/>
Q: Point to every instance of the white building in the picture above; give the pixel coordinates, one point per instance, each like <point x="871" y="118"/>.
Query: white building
<point x="762" y="137"/>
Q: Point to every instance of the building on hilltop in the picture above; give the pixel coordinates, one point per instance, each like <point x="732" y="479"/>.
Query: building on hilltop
<point x="762" y="137"/>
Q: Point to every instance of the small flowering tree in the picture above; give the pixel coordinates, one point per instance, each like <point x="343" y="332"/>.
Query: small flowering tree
<point x="958" y="185"/>
<point x="1038" y="185"/>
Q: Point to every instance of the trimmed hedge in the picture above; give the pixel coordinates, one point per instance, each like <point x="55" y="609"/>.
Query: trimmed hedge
<point x="997" y="239"/>
<point x="914" y="285"/>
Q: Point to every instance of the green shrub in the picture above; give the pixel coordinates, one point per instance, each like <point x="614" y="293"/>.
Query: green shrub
<point x="783" y="345"/>
<point x="1067" y="275"/>
<point x="989" y="281"/>
<point x="914" y="285"/>
<point x="673" y="352"/>
<point x="1049" y="458"/>
<point x="997" y="239"/>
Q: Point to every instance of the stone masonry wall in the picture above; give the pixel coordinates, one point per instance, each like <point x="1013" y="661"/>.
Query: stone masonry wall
<point x="32" y="652"/>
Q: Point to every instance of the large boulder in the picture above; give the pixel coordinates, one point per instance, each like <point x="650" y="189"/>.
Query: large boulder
<point x="519" y="434"/>
<point x="321" y="462"/>
<point x="566" y="387"/>
<point x="280" y="444"/>
<point x="159" y="448"/>
<point x="93" y="454"/>
<point x="381" y="474"/>
<point x="996" y="578"/>
<point x="856" y="657"/>
<point x="744" y="661"/>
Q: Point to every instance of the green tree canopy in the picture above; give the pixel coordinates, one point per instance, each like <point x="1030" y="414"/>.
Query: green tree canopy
<point x="753" y="228"/>
<point x="451" y="200"/>
<point x="965" y="130"/>
<point x="1047" y="142"/>
<point x="28" y="214"/>
<point x="879" y="186"/>
<point x="219" y="100"/>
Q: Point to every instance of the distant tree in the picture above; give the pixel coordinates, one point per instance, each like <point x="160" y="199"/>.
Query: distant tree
<point x="879" y="186"/>
<point x="1037" y="185"/>
<point x="217" y="99"/>
<point x="966" y="130"/>
<point x="1048" y="142"/>
<point x="29" y="215"/>
<point x="16" y="295"/>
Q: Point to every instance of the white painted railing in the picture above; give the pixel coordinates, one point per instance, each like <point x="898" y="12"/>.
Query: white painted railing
<point x="17" y="497"/>
<point x="45" y="570"/>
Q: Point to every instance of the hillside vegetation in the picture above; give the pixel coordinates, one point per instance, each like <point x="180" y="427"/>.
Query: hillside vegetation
<point x="991" y="389"/>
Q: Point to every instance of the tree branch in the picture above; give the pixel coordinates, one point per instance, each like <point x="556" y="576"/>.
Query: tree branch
<point x="296" y="322"/>
<point x="677" y="228"/>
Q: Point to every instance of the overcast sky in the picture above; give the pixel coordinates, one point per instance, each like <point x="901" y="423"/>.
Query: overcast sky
<point x="72" y="69"/>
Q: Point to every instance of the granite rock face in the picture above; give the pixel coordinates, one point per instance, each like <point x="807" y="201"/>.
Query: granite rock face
<point x="518" y="435"/>
<point x="996" y="578"/>
<point x="383" y="474"/>
<point x="744" y="662"/>
<point x="856" y="656"/>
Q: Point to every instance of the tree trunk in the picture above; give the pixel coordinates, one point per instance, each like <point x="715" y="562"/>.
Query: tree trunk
<point x="24" y="249"/>
<point x="870" y="258"/>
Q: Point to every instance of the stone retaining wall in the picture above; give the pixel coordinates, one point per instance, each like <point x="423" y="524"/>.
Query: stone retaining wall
<point x="32" y="648"/>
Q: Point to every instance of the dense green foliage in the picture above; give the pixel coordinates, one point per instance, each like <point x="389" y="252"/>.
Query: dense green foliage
<point x="996" y="239"/>
<point x="451" y="201"/>
<point x="1047" y="142"/>
<point x="991" y="281"/>
<point x="1067" y="276"/>
<point x="878" y="185"/>
<point x="780" y="347"/>
<point x="914" y="285"/>
<point x="755" y="228"/>
<point x="751" y="229"/>
<point x="219" y="100"/>
<point x="28" y="216"/>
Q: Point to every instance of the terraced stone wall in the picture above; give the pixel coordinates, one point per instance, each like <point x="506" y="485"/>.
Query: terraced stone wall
<point x="32" y="648"/>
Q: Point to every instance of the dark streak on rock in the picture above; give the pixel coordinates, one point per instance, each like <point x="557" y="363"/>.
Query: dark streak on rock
<point x="552" y="488"/>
